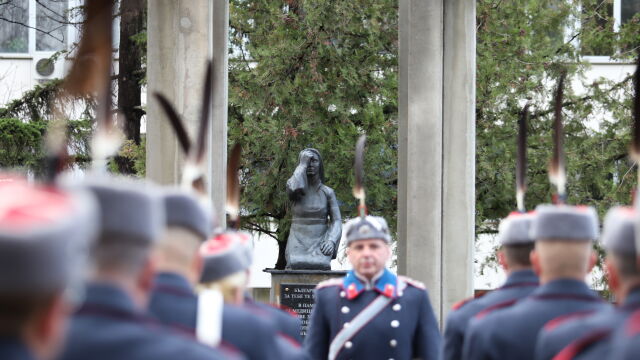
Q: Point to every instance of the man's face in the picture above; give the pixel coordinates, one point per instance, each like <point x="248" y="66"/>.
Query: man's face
<point x="368" y="257"/>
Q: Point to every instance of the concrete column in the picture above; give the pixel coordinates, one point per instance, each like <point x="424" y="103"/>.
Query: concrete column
<point x="182" y="36"/>
<point x="436" y="155"/>
<point x="420" y="144"/>
<point x="218" y="138"/>
<point x="458" y="213"/>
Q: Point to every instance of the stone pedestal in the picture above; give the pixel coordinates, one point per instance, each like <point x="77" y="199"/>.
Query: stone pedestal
<point x="294" y="289"/>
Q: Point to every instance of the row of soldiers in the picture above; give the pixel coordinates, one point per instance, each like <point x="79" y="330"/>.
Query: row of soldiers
<point x="545" y="310"/>
<point x="113" y="268"/>
<point x="107" y="269"/>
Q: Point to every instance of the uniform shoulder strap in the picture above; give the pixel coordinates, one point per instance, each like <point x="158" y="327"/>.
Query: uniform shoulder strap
<point x="412" y="282"/>
<point x="461" y="303"/>
<point x="573" y="349"/>
<point x="330" y="282"/>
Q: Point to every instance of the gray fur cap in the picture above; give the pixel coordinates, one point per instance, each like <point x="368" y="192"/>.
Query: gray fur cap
<point x="183" y="209"/>
<point x="514" y="229"/>
<point x="45" y="234"/>
<point x="130" y="210"/>
<point x="564" y="222"/>
<point x="371" y="227"/>
<point x="618" y="235"/>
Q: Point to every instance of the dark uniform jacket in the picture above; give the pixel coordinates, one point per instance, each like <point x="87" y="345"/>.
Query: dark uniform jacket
<point x="14" y="349"/>
<point x="511" y="333"/>
<point x="405" y="329"/>
<point x="174" y="303"/>
<point x="587" y="336"/>
<point x="625" y="340"/>
<point x="108" y="326"/>
<point x="288" y="325"/>
<point x="519" y="284"/>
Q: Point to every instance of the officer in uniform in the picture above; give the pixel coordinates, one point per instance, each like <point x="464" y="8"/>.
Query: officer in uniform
<point x="173" y="300"/>
<point x="111" y="323"/>
<point x="371" y="313"/>
<point x="44" y="234"/>
<point x="521" y="281"/>
<point x="562" y="258"/>
<point x="587" y="336"/>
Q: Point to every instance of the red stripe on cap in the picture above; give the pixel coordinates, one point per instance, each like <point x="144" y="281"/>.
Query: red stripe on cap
<point x="23" y="206"/>
<point x="219" y="243"/>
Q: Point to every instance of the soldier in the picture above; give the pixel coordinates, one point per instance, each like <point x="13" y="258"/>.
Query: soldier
<point x="371" y="313"/>
<point x="587" y="336"/>
<point x="173" y="300"/>
<point x="562" y="258"/>
<point x="111" y="323"/>
<point x="516" y="246"/>
<point x="225" y="269"/>
<point x="43" y="233"/>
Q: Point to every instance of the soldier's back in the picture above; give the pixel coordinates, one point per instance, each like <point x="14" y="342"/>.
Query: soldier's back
<point x="518" y="285"/>
<point x="512" y="332"/>
<point x="108" y="326"/>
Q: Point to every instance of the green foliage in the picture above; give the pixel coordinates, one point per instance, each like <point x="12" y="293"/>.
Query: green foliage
<point x="134" y="153"/>
<point x="313" y="74"/>
<point x="20" y="144"/>
<point x="521" y="46"/>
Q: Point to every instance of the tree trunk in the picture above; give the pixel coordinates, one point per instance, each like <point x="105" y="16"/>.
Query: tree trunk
<point x="132" y="22"/>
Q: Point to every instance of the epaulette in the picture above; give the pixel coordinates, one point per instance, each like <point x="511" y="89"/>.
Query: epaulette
<point x="555" y="322"/>
<point x="330" y="282"/>
<point x="414" y="283"/>
<point x="461" y="303"/>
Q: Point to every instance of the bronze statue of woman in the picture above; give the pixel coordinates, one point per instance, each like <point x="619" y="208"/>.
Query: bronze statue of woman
<point x="316" y="226"/>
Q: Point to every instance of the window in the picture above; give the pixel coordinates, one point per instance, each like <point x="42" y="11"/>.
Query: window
<point x="628" y="8"/>
<point x="14" y="37"/>
<point x="51" y="25"/>
<point x="600" y="21"/>
<point x="28" y="26"/>
<point x="597" y="26"/>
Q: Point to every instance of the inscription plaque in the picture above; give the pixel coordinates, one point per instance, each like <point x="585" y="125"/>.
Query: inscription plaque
<point x="299" y="298"/>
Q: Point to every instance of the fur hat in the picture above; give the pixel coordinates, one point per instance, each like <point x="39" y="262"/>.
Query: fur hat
<point x="565" y="222"/>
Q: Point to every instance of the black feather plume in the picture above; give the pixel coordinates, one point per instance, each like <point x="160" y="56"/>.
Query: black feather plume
<point x="176" y="123"/>
<point x="358" y="188"/>
<point x="521" y="161"/>
<point x="204" y="115"/>
<point x="233" y="184"/>
<point x="557" y="174"/>
<point x="635" y="144"/>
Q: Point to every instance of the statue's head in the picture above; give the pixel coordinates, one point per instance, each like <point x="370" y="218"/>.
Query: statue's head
<point x="315" y="166"/>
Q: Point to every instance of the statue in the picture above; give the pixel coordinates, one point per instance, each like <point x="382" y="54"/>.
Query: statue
<point x="316" y="226"/>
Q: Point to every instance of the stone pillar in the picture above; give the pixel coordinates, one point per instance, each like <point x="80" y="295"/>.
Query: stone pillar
<point x="458" y="212"/>
<point x="437" y="148"/>
<point x="218" y="138"/>
<point x="182" y="36"/>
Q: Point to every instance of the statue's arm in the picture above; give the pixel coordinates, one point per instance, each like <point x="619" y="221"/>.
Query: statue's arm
<point x="334" y="232"/>
<point x="297" y="183"/>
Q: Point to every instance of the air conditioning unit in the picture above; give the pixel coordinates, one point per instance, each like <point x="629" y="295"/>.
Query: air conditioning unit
<point x="45" y="69"/>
